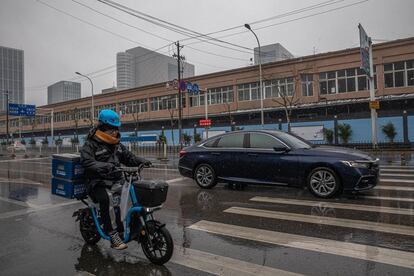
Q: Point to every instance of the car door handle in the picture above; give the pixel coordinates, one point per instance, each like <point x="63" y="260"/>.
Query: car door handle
<point x="216" y="153"/>
<point x="252" y="154"/>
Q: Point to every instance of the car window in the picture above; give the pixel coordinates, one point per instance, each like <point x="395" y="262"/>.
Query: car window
<point x="264" y="141"/>
<point x="210" y="144"/>
<point x="231" y="141"/>
<point x="294" y="141"/>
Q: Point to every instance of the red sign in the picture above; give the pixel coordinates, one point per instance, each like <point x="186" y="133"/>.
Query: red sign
<point x="205" y="122"/>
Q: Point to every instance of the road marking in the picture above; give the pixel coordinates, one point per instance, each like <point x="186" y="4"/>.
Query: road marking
<point x="397" y="167"/>
<point x="221" y="265"/>
<point x="396" y="175"/>
<point x="159" y="169"/>
<point x="20" y="181"/>
<point x="397" y="170"/>
<point x="392" y="180"/>
<point x="20" y="171"/>
<point x="349" y="223"/>
<point x="38" y="208"/>
<point x="18" y="202"/>
<point x="335" y="205"/>
<point x="175" y="180"/>
<point x="19" y="160"/>
<point x="395" y="188"/>
<point x="401" y="199"/>
<point x="346" y="249"/>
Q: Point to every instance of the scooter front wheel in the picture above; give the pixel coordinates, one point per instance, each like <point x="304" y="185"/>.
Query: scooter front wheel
<point x="157" y="243"/>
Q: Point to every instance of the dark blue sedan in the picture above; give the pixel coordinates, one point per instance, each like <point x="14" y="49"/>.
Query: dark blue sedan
<point x="279" y="158"/>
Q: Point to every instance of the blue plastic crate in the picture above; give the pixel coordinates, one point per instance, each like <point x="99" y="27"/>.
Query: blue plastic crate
<point x="68" y="188"/>
<point x="67" y="166"/>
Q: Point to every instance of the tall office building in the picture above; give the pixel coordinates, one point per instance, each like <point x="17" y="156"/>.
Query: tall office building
<point x="271" y="53"/>
<point x="63" y="91"/>
<point x="139" y="67"/>
<point x="11" y="76"/>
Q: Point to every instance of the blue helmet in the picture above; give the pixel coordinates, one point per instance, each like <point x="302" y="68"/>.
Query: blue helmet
<point x="109" y="117"/>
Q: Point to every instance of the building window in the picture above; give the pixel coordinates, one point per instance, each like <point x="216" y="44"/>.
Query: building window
<point x="307" y="85"/>
<point x="345" y="80"/>
<point x="399" y="74"/>
<point x="219" y="95"/>
<point x="271" y="90"/>
<point x="130" y="107"/>
<point x="166" y="102"/>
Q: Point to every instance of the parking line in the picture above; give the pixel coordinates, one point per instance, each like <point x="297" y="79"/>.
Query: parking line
<point x="400" y="199"/>
<point x="345" y="249"/>
<point x="335" y="205"/>
<point x="221" y="265"/>
<point x="349" y="223"/>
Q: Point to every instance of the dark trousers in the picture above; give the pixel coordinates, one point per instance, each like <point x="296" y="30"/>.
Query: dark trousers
<point x="99" y="195"/>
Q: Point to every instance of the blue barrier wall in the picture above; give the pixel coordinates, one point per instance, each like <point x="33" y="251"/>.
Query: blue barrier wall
<point x="361" y="130"/>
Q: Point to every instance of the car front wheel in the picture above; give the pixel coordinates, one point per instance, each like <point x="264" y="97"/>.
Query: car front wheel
<point x="205" y="176"/>
<point x="323" y="182"/>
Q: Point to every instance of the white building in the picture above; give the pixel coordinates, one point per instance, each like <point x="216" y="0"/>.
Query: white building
<point x="271" y="53"/>
<point x="139" y="67"/>
<point x="63" y="91"/>
<point x="11" y="76"/>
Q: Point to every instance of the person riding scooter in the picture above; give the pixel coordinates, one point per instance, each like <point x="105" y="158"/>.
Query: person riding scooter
<point x="101" y="156"/>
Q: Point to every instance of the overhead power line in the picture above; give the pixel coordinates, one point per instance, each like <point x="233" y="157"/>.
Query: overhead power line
<point x="172" y="27"/>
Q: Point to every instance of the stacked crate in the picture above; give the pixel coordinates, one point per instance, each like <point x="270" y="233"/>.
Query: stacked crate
<point x="67" y="176"/>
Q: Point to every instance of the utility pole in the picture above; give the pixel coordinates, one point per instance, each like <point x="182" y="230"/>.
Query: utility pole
<point x="180" y="127"/>
<point x="7" y="116"/>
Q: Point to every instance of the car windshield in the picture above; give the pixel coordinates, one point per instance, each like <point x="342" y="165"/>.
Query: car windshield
<point x="294" y="141"/>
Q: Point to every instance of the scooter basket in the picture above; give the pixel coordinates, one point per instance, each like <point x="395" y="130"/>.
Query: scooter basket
<point x="151" y="193"/>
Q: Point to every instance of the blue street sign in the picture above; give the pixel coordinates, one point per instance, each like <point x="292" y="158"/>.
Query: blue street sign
<point x="22" y="110"/>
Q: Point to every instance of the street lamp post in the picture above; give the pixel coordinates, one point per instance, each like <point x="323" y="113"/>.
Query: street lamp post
<point x="6" y="93"/>
<point x="93" y="106"/>
<point x="260" y="75"/>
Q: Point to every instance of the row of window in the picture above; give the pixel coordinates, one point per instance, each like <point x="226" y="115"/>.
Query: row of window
<point x="169" y="102"/>
<point x="341" y="81"/>
<point x="399" y="74"/>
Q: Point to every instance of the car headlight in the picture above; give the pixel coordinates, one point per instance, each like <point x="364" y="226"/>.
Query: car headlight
<point x="356" y="164"/>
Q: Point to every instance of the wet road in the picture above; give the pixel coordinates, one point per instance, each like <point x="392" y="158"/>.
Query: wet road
<point x="259" y="230"/>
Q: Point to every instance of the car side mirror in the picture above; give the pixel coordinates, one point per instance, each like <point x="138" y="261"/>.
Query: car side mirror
<point x="281" y="149"/>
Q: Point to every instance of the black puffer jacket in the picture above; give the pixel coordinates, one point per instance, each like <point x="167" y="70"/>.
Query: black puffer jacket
<point x="101" y="160"/>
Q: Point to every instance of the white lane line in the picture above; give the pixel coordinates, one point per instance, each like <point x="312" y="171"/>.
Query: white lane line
<point x="397" y="170"/>
<point x="20" y="171"/>
<point x="335" y="205"/>
<point x="349" y="223"/>
<point x="175" y="180"/>
<point x="20" y="160"/>
<point x="396" y="175"/>
<point x="395" y="188"/>
<point x="18" y="202"/>
<point x="221" y="265"/>
<point x="159" y="169"/>
<point x="400" y="199"/>
<point x="393" y="180"/>
<point x="20" y="181"/>
<point x="397" y="167"/>
<point x="345" y="249"/>
<point x="38" y="208"/>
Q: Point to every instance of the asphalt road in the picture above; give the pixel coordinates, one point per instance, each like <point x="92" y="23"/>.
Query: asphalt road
<point x="258" y="230"/>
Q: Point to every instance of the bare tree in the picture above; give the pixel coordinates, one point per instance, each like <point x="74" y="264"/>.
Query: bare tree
<point x="135" y="116"/>
<point x="227" y="104"/>
<point x="287" y="98"/>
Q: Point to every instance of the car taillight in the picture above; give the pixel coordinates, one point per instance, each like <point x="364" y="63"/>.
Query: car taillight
<point x="182" y="153"/>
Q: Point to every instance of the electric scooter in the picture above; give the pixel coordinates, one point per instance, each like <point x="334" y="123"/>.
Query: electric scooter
<point x="138" y="201"/>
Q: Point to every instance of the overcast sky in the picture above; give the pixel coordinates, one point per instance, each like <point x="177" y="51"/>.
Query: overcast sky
<point x="56" y="45"/>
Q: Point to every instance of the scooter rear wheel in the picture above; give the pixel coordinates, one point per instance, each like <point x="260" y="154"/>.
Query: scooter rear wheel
<point x="88" y="228"/>
<point x="157" y="243"/>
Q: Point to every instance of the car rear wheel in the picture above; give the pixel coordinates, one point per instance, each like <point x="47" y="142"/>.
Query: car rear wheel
<point x="205" y="176"/>
<point x="323" y="182"/>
